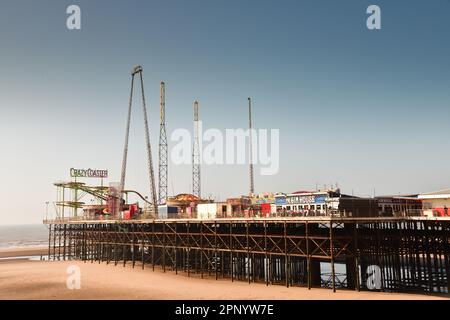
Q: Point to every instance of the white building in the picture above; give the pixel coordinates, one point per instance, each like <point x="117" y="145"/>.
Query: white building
<point x="436" y="204"/>
<point x="211" y="210"/>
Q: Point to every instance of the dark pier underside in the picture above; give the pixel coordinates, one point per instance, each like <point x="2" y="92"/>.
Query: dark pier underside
<point x="409" y="254"/>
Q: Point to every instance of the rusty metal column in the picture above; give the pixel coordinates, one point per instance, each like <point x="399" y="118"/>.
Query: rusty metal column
<point x="355" y="235"/>
<point x="231" y="252"/>
<point x="85" y="243"/>
<point x="133" y="239"/>
<point x="59" y="242"/>
<point x="64" y="243"/>
<point x="308" y="258"/>
<point x="142" y="244"/>
<point x="286" y="257"/>
<point x="108" y="243"/>
<point x="333" y="283"/>
<point x="69" y="248"/>
<point x="92" y="234"/>
<point x="266" y="259"/>
<point x="248" y="251"/>
<point x="428" y="256"/>
<point x="123" y="249"/>
<point x="176" y="250"/>
<point x="188" y="250"/>
<point x="49" y="240"/>
<point x="101" y="245"/>
<point x="201" y="249"/>
<point x="116" y="234"/>
<point x="153" y="245"/>
<point x="215" y="247"/>
<point x="164" y="247"/>
<point x="446" y="255"/>
<point x="54" y="242"/>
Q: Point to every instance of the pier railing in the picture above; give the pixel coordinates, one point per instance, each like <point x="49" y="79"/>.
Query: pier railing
<point x="288" y="214"/>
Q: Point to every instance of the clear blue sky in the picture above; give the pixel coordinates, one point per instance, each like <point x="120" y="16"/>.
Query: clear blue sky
<point x="366" y="109"/>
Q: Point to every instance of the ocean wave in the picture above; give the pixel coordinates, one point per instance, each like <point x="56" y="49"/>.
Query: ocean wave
<point x="24" y="244"/>
<point x="27" y="236"/>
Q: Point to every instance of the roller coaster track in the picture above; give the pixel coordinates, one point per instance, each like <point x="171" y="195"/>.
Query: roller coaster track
<point x="138" y="194"/>
<point x="102" y="195"/>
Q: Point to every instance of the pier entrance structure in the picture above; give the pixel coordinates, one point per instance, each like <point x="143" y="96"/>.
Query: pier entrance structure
<point x="381" y="254"/>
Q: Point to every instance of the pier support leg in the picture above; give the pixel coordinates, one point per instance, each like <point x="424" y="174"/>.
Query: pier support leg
<point x="49" y="240"/>
<point x="316" y="280"/>
<point x="350" y="266"/>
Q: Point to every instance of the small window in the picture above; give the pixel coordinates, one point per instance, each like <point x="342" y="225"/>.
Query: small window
<point x="427" y="205"/>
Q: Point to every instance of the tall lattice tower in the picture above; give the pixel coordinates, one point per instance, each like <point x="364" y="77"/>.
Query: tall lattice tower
<point x="196" y="155"/>
<point x="163" y="150"/>
<point x="252" y="183"/>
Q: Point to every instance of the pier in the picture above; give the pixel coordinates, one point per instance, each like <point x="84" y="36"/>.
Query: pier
<point x="409" y="254"/>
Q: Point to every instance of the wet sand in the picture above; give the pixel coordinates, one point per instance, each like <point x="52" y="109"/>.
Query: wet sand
<point x="24" y="279"/>
<point x="23" y="252"/>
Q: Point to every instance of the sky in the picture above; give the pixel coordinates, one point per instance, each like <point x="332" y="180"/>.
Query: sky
<point x="367" y="109"/>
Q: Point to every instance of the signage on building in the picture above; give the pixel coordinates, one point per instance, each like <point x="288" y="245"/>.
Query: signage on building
<point x="306" y="199"/>
<point x="320" y="199"/>
<point x="88" y="173"/>
<point x="280" y="200"/>
<point x="301" y="199"/>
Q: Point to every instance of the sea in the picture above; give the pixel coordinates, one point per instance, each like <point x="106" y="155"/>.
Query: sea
<point x="23" y="236"/>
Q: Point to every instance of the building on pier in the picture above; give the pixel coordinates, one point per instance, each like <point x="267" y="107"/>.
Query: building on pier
<point x="263" y="204"/>
<point x="186" y="203"/>
<point x="324" y="202"/>
<point x="436" y="204"/>
<point x="239" y="207"/>
<point x="211" y="210"/>
<point x="399" y="206"/>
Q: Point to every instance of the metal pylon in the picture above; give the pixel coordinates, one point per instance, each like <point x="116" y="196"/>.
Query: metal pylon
<point x="138" y="70"/>
<point x="196" y="190"/>
<point x="252" y="183"/>
<point x="163" y="150"/>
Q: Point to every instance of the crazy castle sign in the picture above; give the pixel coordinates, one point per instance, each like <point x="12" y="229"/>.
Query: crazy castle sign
<point x="88" y="173"/>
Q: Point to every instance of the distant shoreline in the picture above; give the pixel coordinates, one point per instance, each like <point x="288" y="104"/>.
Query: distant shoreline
<point x="22" y="237"/>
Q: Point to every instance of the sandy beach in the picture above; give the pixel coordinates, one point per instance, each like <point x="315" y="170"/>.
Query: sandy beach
<point x="25" y="279"/>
